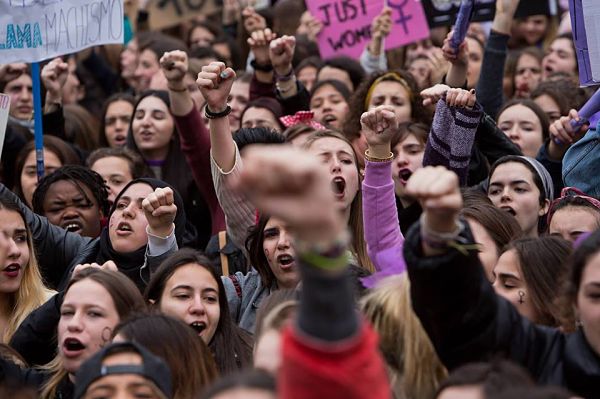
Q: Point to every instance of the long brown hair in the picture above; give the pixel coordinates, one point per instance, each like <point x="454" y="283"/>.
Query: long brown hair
<point x="125" y="296"/>
<point x="355" y="222"/>
<point x="543" y="264"/>
<point x="189" y="359"/>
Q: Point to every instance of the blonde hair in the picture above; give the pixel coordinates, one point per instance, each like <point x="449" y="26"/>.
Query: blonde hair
<point x="358" y="245"/>
<point x="32" y="292"/>
<point x="414" y="367"/>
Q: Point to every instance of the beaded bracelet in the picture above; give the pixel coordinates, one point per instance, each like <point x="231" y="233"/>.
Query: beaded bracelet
<point x="216" y="115"/>
<point x="370" y="158"/>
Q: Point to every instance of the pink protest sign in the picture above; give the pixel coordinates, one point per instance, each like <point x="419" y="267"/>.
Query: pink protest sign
<point x="347" y="24"/>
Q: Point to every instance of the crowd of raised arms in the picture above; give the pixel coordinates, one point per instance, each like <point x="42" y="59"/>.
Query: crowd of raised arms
<point x="226" y="214"/>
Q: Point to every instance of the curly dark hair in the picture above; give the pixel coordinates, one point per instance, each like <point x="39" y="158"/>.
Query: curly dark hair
<point x="77" y="175"/>
<point x="419" y="113"/>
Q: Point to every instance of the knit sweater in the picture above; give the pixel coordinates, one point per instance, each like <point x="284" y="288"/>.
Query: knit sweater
<point x="451" y="138"/>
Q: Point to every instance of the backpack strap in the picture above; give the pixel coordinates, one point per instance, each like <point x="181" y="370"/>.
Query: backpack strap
<point x="224" y="259"/>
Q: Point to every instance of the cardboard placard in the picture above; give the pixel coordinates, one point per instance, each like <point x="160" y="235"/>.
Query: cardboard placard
<point x="167" y="13"/>
<point x="34" y="30"/>
<point x="347" y="24"/>
<point x="4" y="109"/>
<point x="584" y="17"/>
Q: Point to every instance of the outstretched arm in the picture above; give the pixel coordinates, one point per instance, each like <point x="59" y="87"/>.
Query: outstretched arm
<point x="380" y="214"/>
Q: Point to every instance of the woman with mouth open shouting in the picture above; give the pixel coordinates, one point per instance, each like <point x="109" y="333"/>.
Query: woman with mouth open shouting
<point x="269" y="243"/>
<point x="186" y="287"/>
<point x="93" y="303"/>
<point x="145" y="224"/>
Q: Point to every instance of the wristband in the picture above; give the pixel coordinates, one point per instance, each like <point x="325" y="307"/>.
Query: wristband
<point x="177" y="90"/>
<point x="437" y="240"/>
<point x="216" y="115"/>
<point x="288" y="76"/>
<point x="370" y="158"/>
<point x="261" y="67"/>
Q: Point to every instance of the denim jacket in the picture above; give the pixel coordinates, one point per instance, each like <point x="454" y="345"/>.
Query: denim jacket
<point x="582" y="162"/>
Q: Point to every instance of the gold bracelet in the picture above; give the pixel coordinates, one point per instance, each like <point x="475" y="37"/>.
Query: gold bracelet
<point x="369" y="158"/>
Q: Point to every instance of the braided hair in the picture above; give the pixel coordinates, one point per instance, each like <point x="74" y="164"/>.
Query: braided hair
<point x="76" y="174"/>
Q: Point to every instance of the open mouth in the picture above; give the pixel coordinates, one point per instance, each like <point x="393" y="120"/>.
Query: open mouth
<point x="124" y="227"/>
<point x="338" y="185"/>
<point x="12" y="270"/>
<point x="404" y="175"/>
<point x="285" y="261"/>
<point x="509" y="210"/>
<point x="120" y="139"/>
<point x="73" y="347"/>
<point x="73" y="227"/>
<point x="329" y="119"/>
<point x="198" y="326"/>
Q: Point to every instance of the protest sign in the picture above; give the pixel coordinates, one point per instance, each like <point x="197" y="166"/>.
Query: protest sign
<point x="443" y="12"/>
<point x="35" y="30"/>
<point x="347" y="24"/>
<point x="584" y="14"/>
<point x="4" y="109"/>
<point x="167" y="13"/>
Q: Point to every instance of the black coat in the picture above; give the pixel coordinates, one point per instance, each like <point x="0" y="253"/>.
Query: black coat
<point x="467" y="322"/>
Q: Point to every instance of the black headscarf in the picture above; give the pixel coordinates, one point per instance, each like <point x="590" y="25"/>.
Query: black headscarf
<point x="130" y="263"/>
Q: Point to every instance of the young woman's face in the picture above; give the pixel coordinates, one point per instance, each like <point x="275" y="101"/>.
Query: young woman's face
<point x="560" y="57"/>
<point x="21" y="98"/>
<point x="87" y="318"/>
<point x="512" y="189"/>
<point x="116" y="173"/>
<point x="17" y="259"/>
<point x="278" y="250"/>
<point x="549" y="106"/>
<point x="528" y="74"/>
<point x="127" y="224"/>
<point x="523" y="128"/>
<point x="191" y="294"/>
<point x="147" y="67"/>
<point x="394" y="95"/>
<point x="29" y="172"/>
<point x="510" y="284"/>
<point x="126" y="386"/>
<point x="201" y="37"/>
<point x="339" y="159"/>
<point x="116" y="122"/>
<point x="475" y="55"/>
<point x="308" y="76"/>
<point x="259" y="117"/>
<point x="238" y="99"/>
<point x="533" y="28"/>
<point x="488" y="253"/>
<point x="420" y="69"/>
<point x="129" y="60"/>
<point x="408" y="158"/>
<point x="153" y="128"/>
<point x="572" y="221"/>
<point x="588" y="302"/>
<point x="72" y="206"/>
<point x="329" y="106"/>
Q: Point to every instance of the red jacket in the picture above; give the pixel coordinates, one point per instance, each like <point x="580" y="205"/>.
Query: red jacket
<point x="351" y="370"/>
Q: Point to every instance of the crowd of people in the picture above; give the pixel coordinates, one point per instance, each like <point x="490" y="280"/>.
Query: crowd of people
<point x="225" y="214"/>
